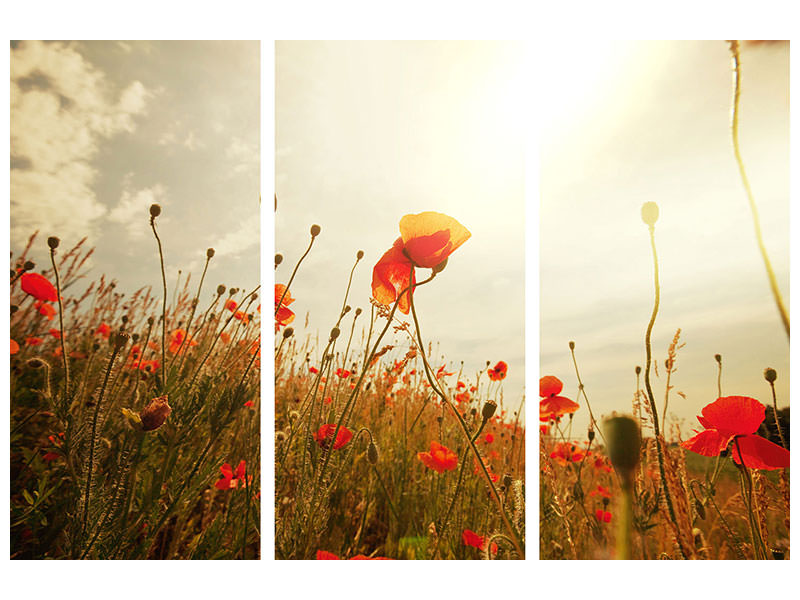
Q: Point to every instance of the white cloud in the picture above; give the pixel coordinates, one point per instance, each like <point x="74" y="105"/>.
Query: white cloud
<point x="178" y="135"/>
<point x="236" y="242"/>
<point x="133" y="208"/>
<point x="243" y="154"/>
<point x="61" y="108"/>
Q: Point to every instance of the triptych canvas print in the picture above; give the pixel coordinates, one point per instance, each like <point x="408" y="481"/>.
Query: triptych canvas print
<point x="416" y="241"/>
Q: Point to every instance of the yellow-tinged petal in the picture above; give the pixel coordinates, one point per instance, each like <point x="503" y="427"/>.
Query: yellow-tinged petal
<point x="430" y="237"/>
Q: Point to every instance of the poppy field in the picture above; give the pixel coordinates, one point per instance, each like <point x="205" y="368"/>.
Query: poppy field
<point x="384" y="450"/>
<point x="134" y="416"/>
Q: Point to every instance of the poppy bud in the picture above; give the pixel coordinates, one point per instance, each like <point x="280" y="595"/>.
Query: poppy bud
<point x="624" y="442"/>
<point x="278" y="259"/>
<point x="359" y="255"/>
<point x="335" y="333"/>
<point x="591" y="434"/>
<point x="606" y="501"/>
<point x="770" y="374"/>
<point x="155" y="414"/>
<point x="124" y="318"/>
<point x="488" y="410"/>
<point x="135" y="337"/>
<point x="315" y="229"/>
<point x="358" y="311"/>
<point x="280" y="437"/>
<point x="53" y="242"/>
<point x="440" y="267"/>
<point x="232" y="291"/>
<point x="507" y="480"/>
<point x="14" y="308"/>
<point x="439" y="419"/>
<point x="155" y="210"/>
<point x="35" y="363"/>
<point x="372" y="453"/>
<point x="718" y="358"/>
<point x="210" y="253"/>
<point x="287" y="333"/>
<point x="96" y="346"/>
<point x="650" y="213"/>
<point x="220" y="290"/>
<point x="150" y="321"/>
<point x="29" y="265"/>
<point x="638" y="370"/>
<point x="346" y="310"/>
<point x="572" y="345"/>
<point x="120" y="339"/>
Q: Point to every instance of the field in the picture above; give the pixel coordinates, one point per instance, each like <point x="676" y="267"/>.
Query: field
<point x="386" y="451"/>
<point x="134" y="417"/>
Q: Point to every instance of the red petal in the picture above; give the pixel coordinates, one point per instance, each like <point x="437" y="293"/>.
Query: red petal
<point x="430" y="237"/>
<point x="39" y="287"/>
<point x="227" y="471"/>
<point x="391" y="275"/>
<point x="739" y="415"/>
<point x="241" y="469"/>
<point x="550" y="386"/>
<point x="708" y="443"/>
<point x="325" y="555"/>
<point x="556" y="406"/>
<point x="760" y="453"/>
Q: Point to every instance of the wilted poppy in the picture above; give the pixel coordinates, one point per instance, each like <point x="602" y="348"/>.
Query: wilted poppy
<point x="283" y="316"/>
<point x="737" y="418"/>
<point x="39" y="287"/>
<point x="155" y="413"/>
<point x="325" y="434"/>
<point x="498" y="372"/>
<point x="440" y="458"/>
<point x="553" y="406"/>
<point x="426" y="240"/>
<point x="231" y="480"/>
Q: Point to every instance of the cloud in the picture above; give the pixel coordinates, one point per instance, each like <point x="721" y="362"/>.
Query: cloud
<point x="177" y="135"/>
<point x="133" y="207"/>
<point x="244" y="155"/>
<point x="62" y="107"/>
<point x="246" y="236"/>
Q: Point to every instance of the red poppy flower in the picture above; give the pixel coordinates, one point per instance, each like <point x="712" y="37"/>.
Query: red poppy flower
<point x="39" y="287"/>
<point x="737" y="418"/>
<point x="442" y="373"/>
<point x="230" y="305"/>
<point x="343" y="373"/>
<point x="313" y="370"/>
<point x="325" y="434"/>
<point x="231" y="480"/>
<point x="283" y="316"/>
<point x="45" y="309"/>
<point x="440" y="458"/>
<point x="426" y="240"/>
<point x="565" y="453"/>
<point x="553" y="406"/>
<point x="470" y="538"/>
<point x="55" y="333"/>
<point x="489" y="438"/>
<point x="603" y="515"/>
<point x="14" y="347"/>
<point x="240" y="316"/>
<point x="33" y="341"/>
<point x="103" y="330"/>
<point x="224" y="337"/>
<point x="499" y="371"/>
<point x="176" y="341"/>
<point x="601" y="491"/>
<point x="325" y="555"/>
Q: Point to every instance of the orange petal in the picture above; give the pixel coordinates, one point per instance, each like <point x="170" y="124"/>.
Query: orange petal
<point x="391" y="275"/>
<point x="431" y="237"/>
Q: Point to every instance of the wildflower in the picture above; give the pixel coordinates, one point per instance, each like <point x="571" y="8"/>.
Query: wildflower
<point x="737" y="418"/>
<point x="225" y="337"/>
<point x="603" y="515"/>
<point x="14" y="347"/>
<point x="440" y="458"/>
<point x="343" y="373"/>
<point x="240" y="316"/>
<point x="313" y="370"/>
<point x="601" y="491"/>
<point x="55" y="333"/>
<point x="565" y="453"/>
<point x="470" y="538"/>
<point x="489" y="438"/>
<point x="39" y="287"/>
<point x="553" y="406"/>
<point x="176" y="341"/>
<point x="45" y="309"/>
<point x="249" y="404"/>
<point x="498" y="372"/>
<point x="103" y="330"/>
<point x="230" y="305"/>
<point x="228" y="481"/>
<point x="325" y="555"/>
<point x="426" y="240"/>
<point x="325" y="434"/>
<point x="155" y="413"/>
<point x="283" y="316"/>
<point x="33" y="341"/>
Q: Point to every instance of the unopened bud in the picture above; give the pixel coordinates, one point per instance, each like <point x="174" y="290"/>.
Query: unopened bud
<point x="591" y="434"/>
<point x="278" y="259"/>
<point x="718" y="358"/>
<point x="150" y="321"/>
<point x="335" y="333"/>
<point x="638" y="370"/>
<point x="359" y="255"/>
<point x="488" y="410"/>
<point x="346" y="310"/>
<point x="121" y="339"/>
<point x="155" y="210"/>
<point x="288" y="332"/>
<point x="53" y="242"/>
<point x="507" y="480"/>
<point x="210" y="253"/>
<point x="29" y="265"/>
<point x="650" y="213"/>
<point x="220" y="290"/>
<point x="315" y="229"/>
<point x="358" y="311"/>
<point x="372" y="453"/>
<point x="770" y="374"/>
<point x="624" y="442"/>
<point x="440" y="267"/>
<point x="572" y="345"/>
<point x="155" y="414"/>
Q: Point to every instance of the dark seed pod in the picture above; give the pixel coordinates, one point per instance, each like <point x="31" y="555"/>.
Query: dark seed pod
<point x="315" y="230"/>
<point x="770" y="374"/>
<point x="288" y="332"/>
<point x="488" y="410"/>
<point x="210" y="253"/>
<point x="372" y="453"/>
<point x="155" y="210"/>
<point x="155" y="413"/>
<point x="29" y="265"/>
<point x="360" y="254"/>
<point x="53" y="242"/>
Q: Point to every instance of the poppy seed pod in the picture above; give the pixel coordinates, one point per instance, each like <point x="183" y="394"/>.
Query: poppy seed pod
<point x="210" y="253"/>
<point x="335" y="333"/>
<point x="591" y="434"/>
<point x="624" y="442"/>
<point x="53" y="242"/>
<point x="359" y="255"/>
<point x="155" y="413"/>
<point x="650" y="213"/>
<point x="372" y="453"/>
<point x="572" y="345"/>
<point x="121" y="339"/>
<point x="507" y="480"/>
<point x="488" y="410"/>
<point x="718" y="358"/>
<point x="315" y="229"/>
<point x="358" y="311"/>
<point x="155" y="210"/>
<point x="638" y="370"/>
<point x="220" y="290"/>
<point x="29" y="265"/>
<point x="278" y="259"/>
<point x="770" y="374"/>
<point x="150" y="321"/>
<point x="287" y="333"/>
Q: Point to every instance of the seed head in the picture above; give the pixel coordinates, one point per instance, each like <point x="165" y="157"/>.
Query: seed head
<point x="315" y="229"/>
<point x="638" y="370"/>
<point x="372" y="453"/>
<point x="572" y="345"/>
<point x="155" y="210"/>
<point x="770" y="374"/>
<point x="718" y="358"/>
<point x="220" y="289"/>
<point x="507" y="481"/>
<point x="591" y="433"/>
<point x="624" y="442"/>
<point x="278" y="259"/>
<point x="359" y="255"/>
<point x="358" y="311"/>
<point x="29" y="265"/>
<point x="335" y="333"/>
<point x="650" y="213"/>
<point x="53" y="242"/>
<point x="488" y="410"/>
<point x="288" y="332"/>
<point x="210" y="253"/>
<point x="121" y="339"/>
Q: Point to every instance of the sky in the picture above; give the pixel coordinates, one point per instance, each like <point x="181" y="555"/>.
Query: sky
<point x="367" y="132"/>
<point x="632" y="122"/>
<point x="101" y="130"/>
